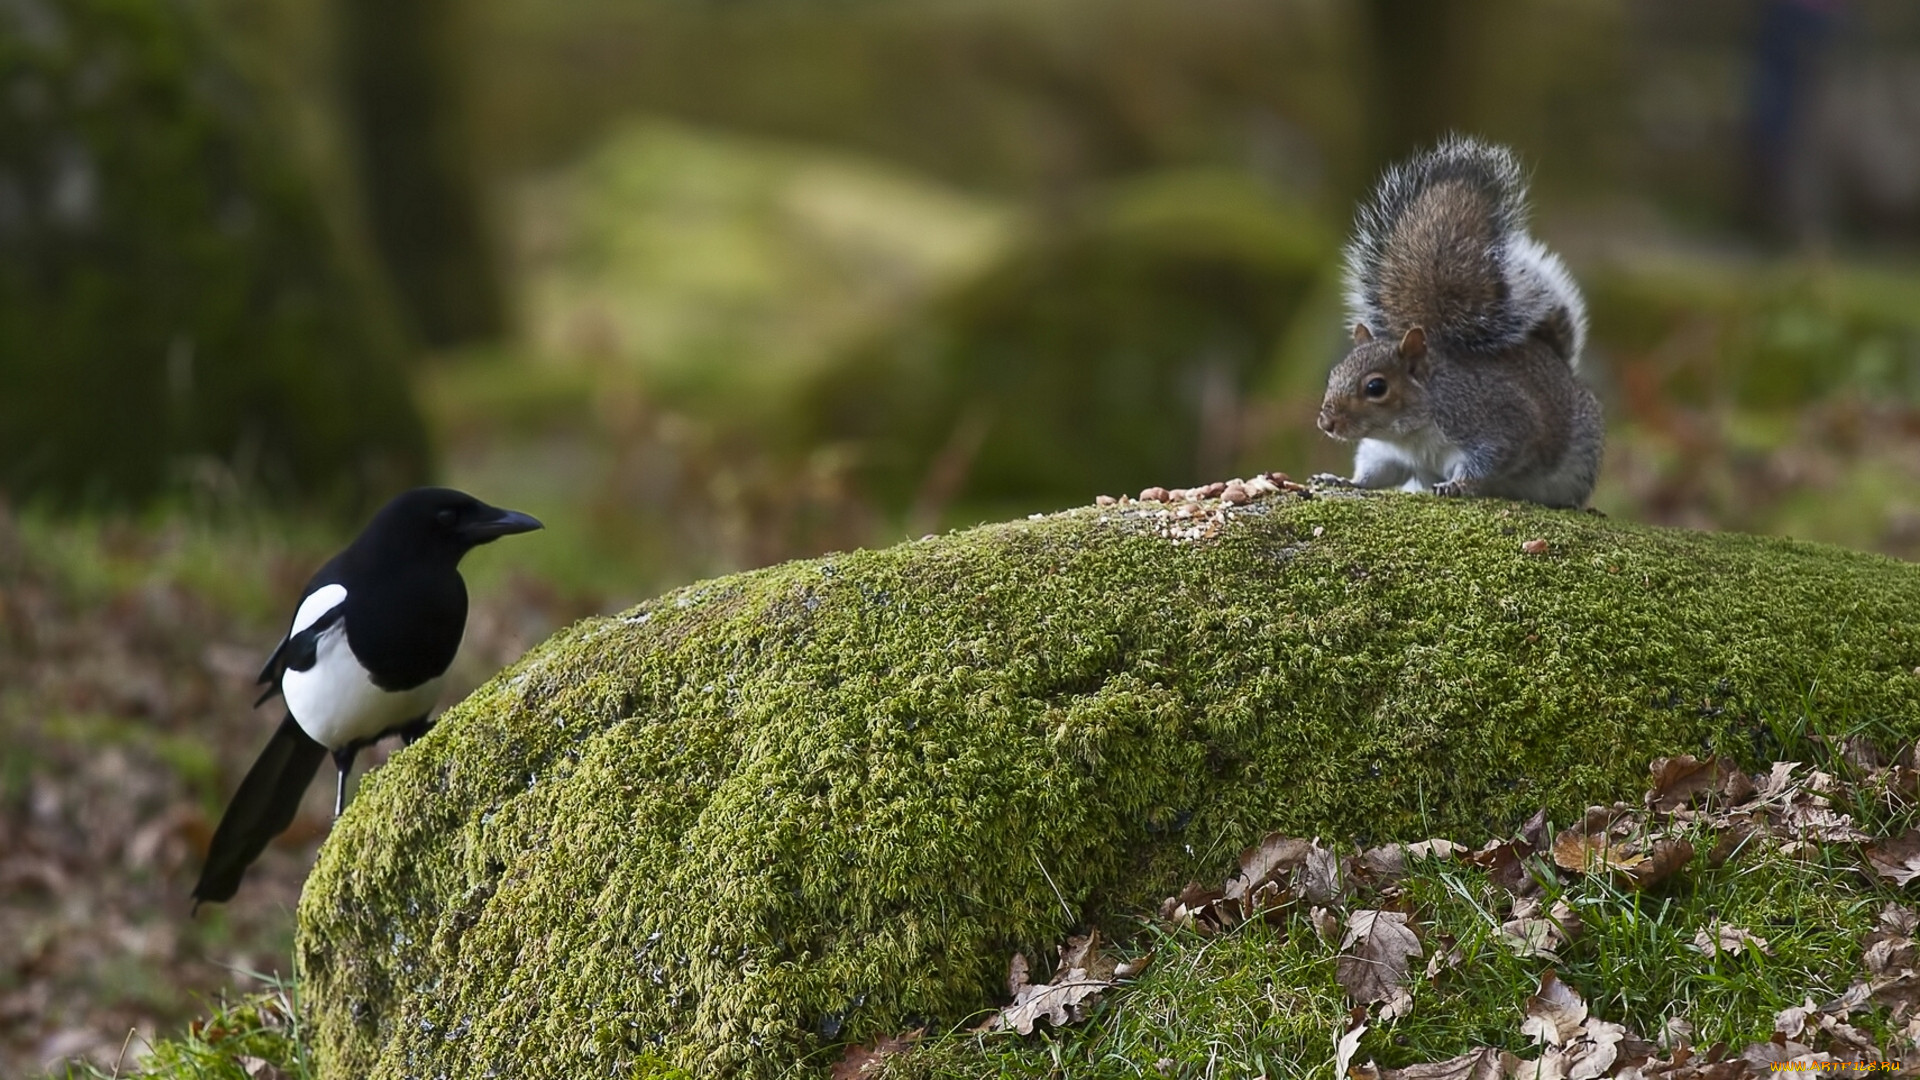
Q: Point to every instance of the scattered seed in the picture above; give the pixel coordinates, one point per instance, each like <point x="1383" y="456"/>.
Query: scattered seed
<point x="1235" y="495"/>
<point x="1535" y="547"/>
<point x="1154" y="494"/>
<point x="1103" y="500"/>
<point x="1319" y="531"/>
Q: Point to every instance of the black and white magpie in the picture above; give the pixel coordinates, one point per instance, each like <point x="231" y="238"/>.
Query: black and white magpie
<point x="373" y="636"/>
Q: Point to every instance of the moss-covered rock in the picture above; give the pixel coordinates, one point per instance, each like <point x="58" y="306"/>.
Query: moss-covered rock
<point x="170" y="291"/>
<point x="825" y="800"/>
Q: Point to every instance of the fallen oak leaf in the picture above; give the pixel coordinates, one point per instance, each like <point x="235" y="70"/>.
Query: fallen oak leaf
<point x="1321" y="881"/>
<point x="1388" y="862"/>
<point x="1896" y="858"/>
<point x="1327" y="925"/>
<point x="1780" y="1050"/>
<point x="1720" y="937"/>
<point x="1481" y="1064"/>
<point x="1684" y="781"/>
<point x="1529" y="934"/>
<point x="1554" y="1013"/>
<point x="1059" y="1002"/>
<point x="1349" y="1043"/>
<point x="1373" y="962"/>
<point x="1854" y="1041"/>
<point x="1731" y="841"/>
<point x="1663" y="859"/>
<point x="1085" y="971"/>
<point x="1792" y="1020"/>
<point x="1446" y="957"/>
<point x="1209" y="911"/>
<point x="1505" y="862"/>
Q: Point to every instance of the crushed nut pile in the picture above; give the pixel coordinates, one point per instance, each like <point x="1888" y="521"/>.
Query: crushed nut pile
<point x="1184" y="515"/>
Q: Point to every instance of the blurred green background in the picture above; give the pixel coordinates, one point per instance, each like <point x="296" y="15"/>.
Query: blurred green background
<point x="707" y="284"/>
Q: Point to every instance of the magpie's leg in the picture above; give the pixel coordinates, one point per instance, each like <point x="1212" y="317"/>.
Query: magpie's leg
<point x="343" y="761"/>
<point x="415" y="730"/>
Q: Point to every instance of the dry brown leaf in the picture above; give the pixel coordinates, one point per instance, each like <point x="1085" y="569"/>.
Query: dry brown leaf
<point x="1792" y="1020"/>
<point x="1847" y="1038"/>
<point x="1017" y="974"/>
<point x="1446" y="956"/>
<point x="1685" y="781"/>
<point x="1733" y="839"/>
<point x="1085" y="971"/>
<point x="1206" y="910"/>
<point x="1505" y="864"/>
<point x="1530" y="933"/>
<point x="1555" y="1013"/>
<point x="1588" y="853"/>
<point x="1896" y="858"/>
<point x="1664" y="858"/>
<point x="1349" y="1043"/>
<point x="1719" y="937"/>
<point x="1273" y="859"/>
<point x="1481" y="1064"/>
<point x="1388" y="862"/>
<point x="863" y="1061"/>
<point x="1373" y="962"/>
<point x="1534" y="832"/>
<point x="1593" y="1053"/>
<point x="1780" y="1050"/>
<point x="1327" y="925"/>
<point x="1322" y="882"/>
<point x="1275" y="873"/>
<point x="1059" y="1002"/>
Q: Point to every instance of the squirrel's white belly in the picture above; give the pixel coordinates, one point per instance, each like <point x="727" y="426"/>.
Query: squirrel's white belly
<point x="1427" y="454"/>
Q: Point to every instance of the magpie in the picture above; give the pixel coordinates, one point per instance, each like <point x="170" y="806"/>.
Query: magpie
<point x="369" y="645"/>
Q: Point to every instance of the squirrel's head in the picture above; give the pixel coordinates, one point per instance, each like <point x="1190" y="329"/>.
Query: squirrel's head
<point x="1378" y="389"/>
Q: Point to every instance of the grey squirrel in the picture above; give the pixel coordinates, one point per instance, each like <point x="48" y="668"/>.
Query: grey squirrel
<point x="1467" y="339"/>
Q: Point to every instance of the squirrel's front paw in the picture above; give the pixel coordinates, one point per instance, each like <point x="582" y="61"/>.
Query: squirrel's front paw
<point x="1454" y="488"/>
<point x="1327" y="479"/>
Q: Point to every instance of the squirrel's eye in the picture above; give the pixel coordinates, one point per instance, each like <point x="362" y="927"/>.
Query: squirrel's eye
<point x="1376" y="388"/>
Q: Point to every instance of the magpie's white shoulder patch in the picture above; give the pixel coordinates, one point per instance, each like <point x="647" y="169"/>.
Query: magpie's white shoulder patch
<point x="318" y="603"/>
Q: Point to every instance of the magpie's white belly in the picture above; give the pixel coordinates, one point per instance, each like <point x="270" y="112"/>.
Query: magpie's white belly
<point x="335" y="702"/>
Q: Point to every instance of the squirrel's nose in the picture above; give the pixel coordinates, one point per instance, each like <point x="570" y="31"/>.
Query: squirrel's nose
<point x="1326" y="422"/>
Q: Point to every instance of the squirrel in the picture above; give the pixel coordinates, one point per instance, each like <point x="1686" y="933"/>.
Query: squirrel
<point x="1467" y="338"/>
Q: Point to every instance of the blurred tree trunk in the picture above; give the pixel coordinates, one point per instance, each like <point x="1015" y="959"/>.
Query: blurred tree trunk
<point x="401" y="80"/>
<point x="1423" y="56"/>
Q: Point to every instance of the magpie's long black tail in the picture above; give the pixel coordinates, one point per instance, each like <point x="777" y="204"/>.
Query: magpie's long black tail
<point x="261" y="810"/>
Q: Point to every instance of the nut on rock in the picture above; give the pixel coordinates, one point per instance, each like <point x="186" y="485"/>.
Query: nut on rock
<point x="823" y="802"/>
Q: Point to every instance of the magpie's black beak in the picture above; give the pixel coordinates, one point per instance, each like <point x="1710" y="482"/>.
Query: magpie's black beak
<point x="493" y="523"/>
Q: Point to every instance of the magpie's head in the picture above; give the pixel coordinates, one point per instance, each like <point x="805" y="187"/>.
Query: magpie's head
<point x="441" y="523"/>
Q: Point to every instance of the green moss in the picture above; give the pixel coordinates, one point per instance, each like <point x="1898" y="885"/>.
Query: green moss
<point x="821" y="801"/>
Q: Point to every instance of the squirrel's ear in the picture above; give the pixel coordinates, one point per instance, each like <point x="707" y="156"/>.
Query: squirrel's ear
<point x="1361" y="335"/>
<point x="1414" y="345"/>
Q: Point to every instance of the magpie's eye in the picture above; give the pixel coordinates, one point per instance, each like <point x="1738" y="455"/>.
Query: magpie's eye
<point x="446" y="518"/>
<point x="1376" y="388"/>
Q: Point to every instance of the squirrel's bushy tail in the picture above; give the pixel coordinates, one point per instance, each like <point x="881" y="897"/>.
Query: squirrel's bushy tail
<point x="1443" y="245"/>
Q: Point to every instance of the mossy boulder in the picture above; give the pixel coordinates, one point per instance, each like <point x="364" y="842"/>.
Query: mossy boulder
<point x="824" y="801"/>
<point x="171" y="292"/>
